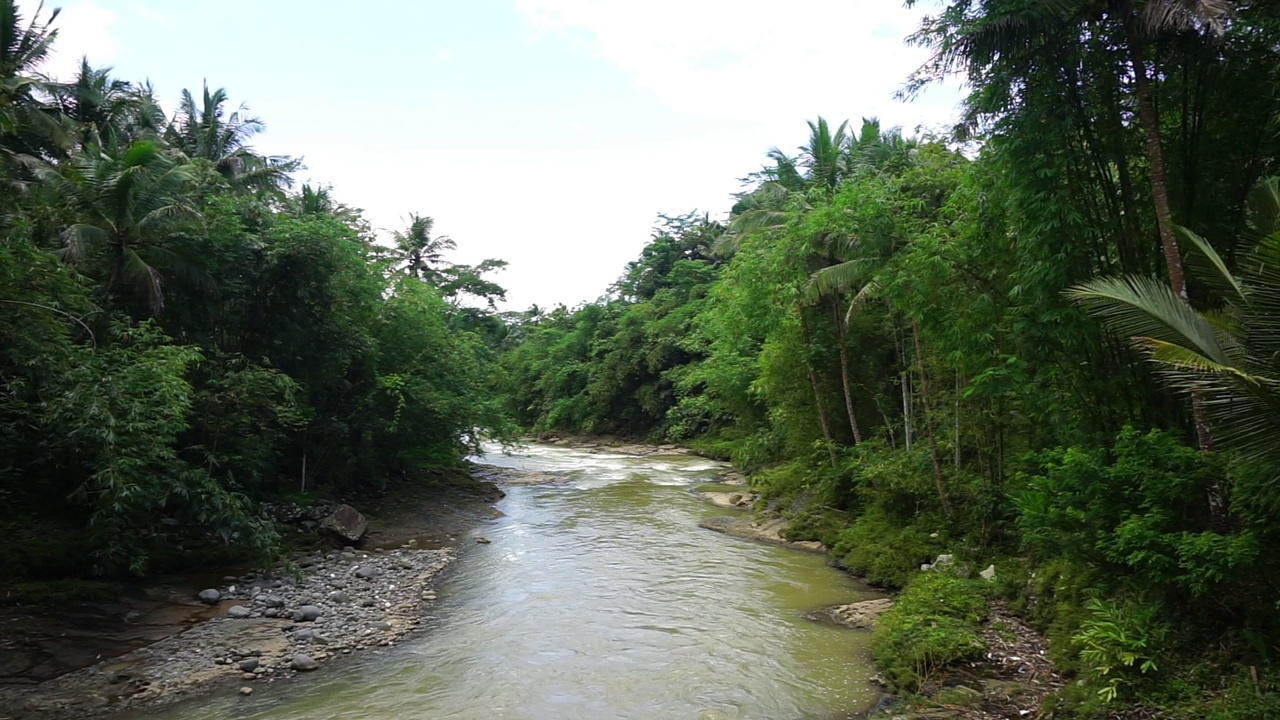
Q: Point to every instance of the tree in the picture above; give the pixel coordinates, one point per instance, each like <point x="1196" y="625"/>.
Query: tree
<point x="204" y="130"/>
<point x="418" y="252"/>
<point x="99" y="106"/>
<point x="979" y="37"/>
<point x="1230" y="358"/>
<point x="126" y="204"/>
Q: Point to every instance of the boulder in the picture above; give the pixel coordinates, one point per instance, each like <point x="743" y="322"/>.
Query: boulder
<point x="239" y="612"/>
<point x="303" y="663"/>
<point x="210" y="596"/>
<point x="345" y="523"/>
<point x="307" y="613"/>
<point x="989" y="574"/>
<point x="861" y="615"/>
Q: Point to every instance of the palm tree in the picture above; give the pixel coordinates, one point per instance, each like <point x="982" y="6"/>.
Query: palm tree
<point x="99" y="105"/>
<point x="1229" y="358"/>
<point x="204" y="130"/>
<point x="128" y="203"/>
<point x="27" y="129"/>
<point x="418" y="252"/>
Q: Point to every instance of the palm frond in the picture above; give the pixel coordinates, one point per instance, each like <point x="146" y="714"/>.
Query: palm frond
<point x="1146" y="307"/>
<point x="836" y="279"/>
<point x="78" y="239"/>
<point x="1221" y="276"/>
<point x="137" y="269"/>
<point x="1180" y="15"/>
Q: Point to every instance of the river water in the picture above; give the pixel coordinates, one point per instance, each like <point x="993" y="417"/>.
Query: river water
<point x="601" y="598"/>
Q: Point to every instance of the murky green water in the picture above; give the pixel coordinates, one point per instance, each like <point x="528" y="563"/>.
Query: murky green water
<point x="601" y="598"/>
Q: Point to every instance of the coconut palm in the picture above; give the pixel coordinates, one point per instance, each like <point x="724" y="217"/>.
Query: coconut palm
<point x="129" y="203"/>
<point x="204" y="130"/>
<point x="418" y="252"/>
<point x="27" y="129"/>
<point x="99" y="106"/>
<point x="1229" y="358"/>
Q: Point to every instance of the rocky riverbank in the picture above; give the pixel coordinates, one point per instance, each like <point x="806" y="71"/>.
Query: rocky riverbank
<point x="268" y="627"/>
<point x="174" y="638"/>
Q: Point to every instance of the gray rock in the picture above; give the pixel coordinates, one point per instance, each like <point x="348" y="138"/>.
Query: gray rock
<point x="239" y="612"/>
<point x="366" y="573"/>
<point x="304" y="635"/>
<point x="943" y="561"/>
<point x="210" y="596"/>
<point x="303" y="663"/>
<point x="368" y="602"/>
<point x="248" y="676"/>
<point x="249" y="664"/>
<point x="381" y="625"/>
<point x="272" y="601"/>
<point x="307" y="613"/>
<point x="271" y="612"/>
<point x="339" y="596"/>
<point x="345" y="523"/>
<point x="246" y="690"/>
<point x="989" y="574"/>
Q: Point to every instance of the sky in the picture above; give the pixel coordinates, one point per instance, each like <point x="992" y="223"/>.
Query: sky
<point x="548" y="133"/>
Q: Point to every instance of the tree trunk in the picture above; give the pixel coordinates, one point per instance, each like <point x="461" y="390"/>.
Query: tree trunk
<point x="957" y="420"/>
<point x="844" y="373"/>
<point x="1149" y="118"/>
<point x="817" y="393"/>
<point x="928" y="424"/>
<point x="904" y="381"/>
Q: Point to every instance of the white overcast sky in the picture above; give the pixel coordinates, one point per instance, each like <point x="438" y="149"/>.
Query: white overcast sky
<point x="549" y="133"/>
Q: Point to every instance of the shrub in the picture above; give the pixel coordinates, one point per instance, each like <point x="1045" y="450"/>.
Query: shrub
<point x="1117" y="642"/>
<point x="934" y="623"/>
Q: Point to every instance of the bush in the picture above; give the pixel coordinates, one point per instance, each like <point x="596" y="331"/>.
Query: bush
<point x="934" y="623"/>
<point x="1118" y="642"/>
<point x="886" y="551"/>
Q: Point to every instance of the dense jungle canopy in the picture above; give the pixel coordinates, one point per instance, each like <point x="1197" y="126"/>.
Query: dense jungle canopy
<point x="1046" y="338"/>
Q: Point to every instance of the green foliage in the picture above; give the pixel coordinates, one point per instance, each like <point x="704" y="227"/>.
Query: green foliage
<point x="182" y="340"/>
<point x="1117" y="642"/>
<point x="879" y="548"/>
<point x="933" y="624"/>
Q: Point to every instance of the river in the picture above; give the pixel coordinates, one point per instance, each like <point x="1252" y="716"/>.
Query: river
<point x="600" y="597"/>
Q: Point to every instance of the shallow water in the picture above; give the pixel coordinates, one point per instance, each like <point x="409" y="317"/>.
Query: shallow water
<point x="601" y="598"/>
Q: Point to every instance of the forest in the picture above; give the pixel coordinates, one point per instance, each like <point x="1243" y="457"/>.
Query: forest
<point x="186" y="336"/>
<point x="1045" y="339"/>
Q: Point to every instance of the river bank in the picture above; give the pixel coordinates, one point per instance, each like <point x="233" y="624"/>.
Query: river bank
<point x="1009" y="680"/>
<point x="158" y="642"/>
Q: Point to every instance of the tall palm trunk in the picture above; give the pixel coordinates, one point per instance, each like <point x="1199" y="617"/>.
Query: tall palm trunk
<point x="1149" y="119"/>
<point x="844" y="372"/>
<point x="928" y="424"/>
<point x="817" y="392"/>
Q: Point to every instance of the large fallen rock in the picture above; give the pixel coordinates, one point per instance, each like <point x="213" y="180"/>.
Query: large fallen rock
<point x="861" y="615"/>
<point x="345" y="523"/>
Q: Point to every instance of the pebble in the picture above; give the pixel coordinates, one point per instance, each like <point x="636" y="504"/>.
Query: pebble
<point x="249" y="676"/>
<point x="239" y="612"/>
<point x="249" y="665"/>
<point x="246" y="690"/>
